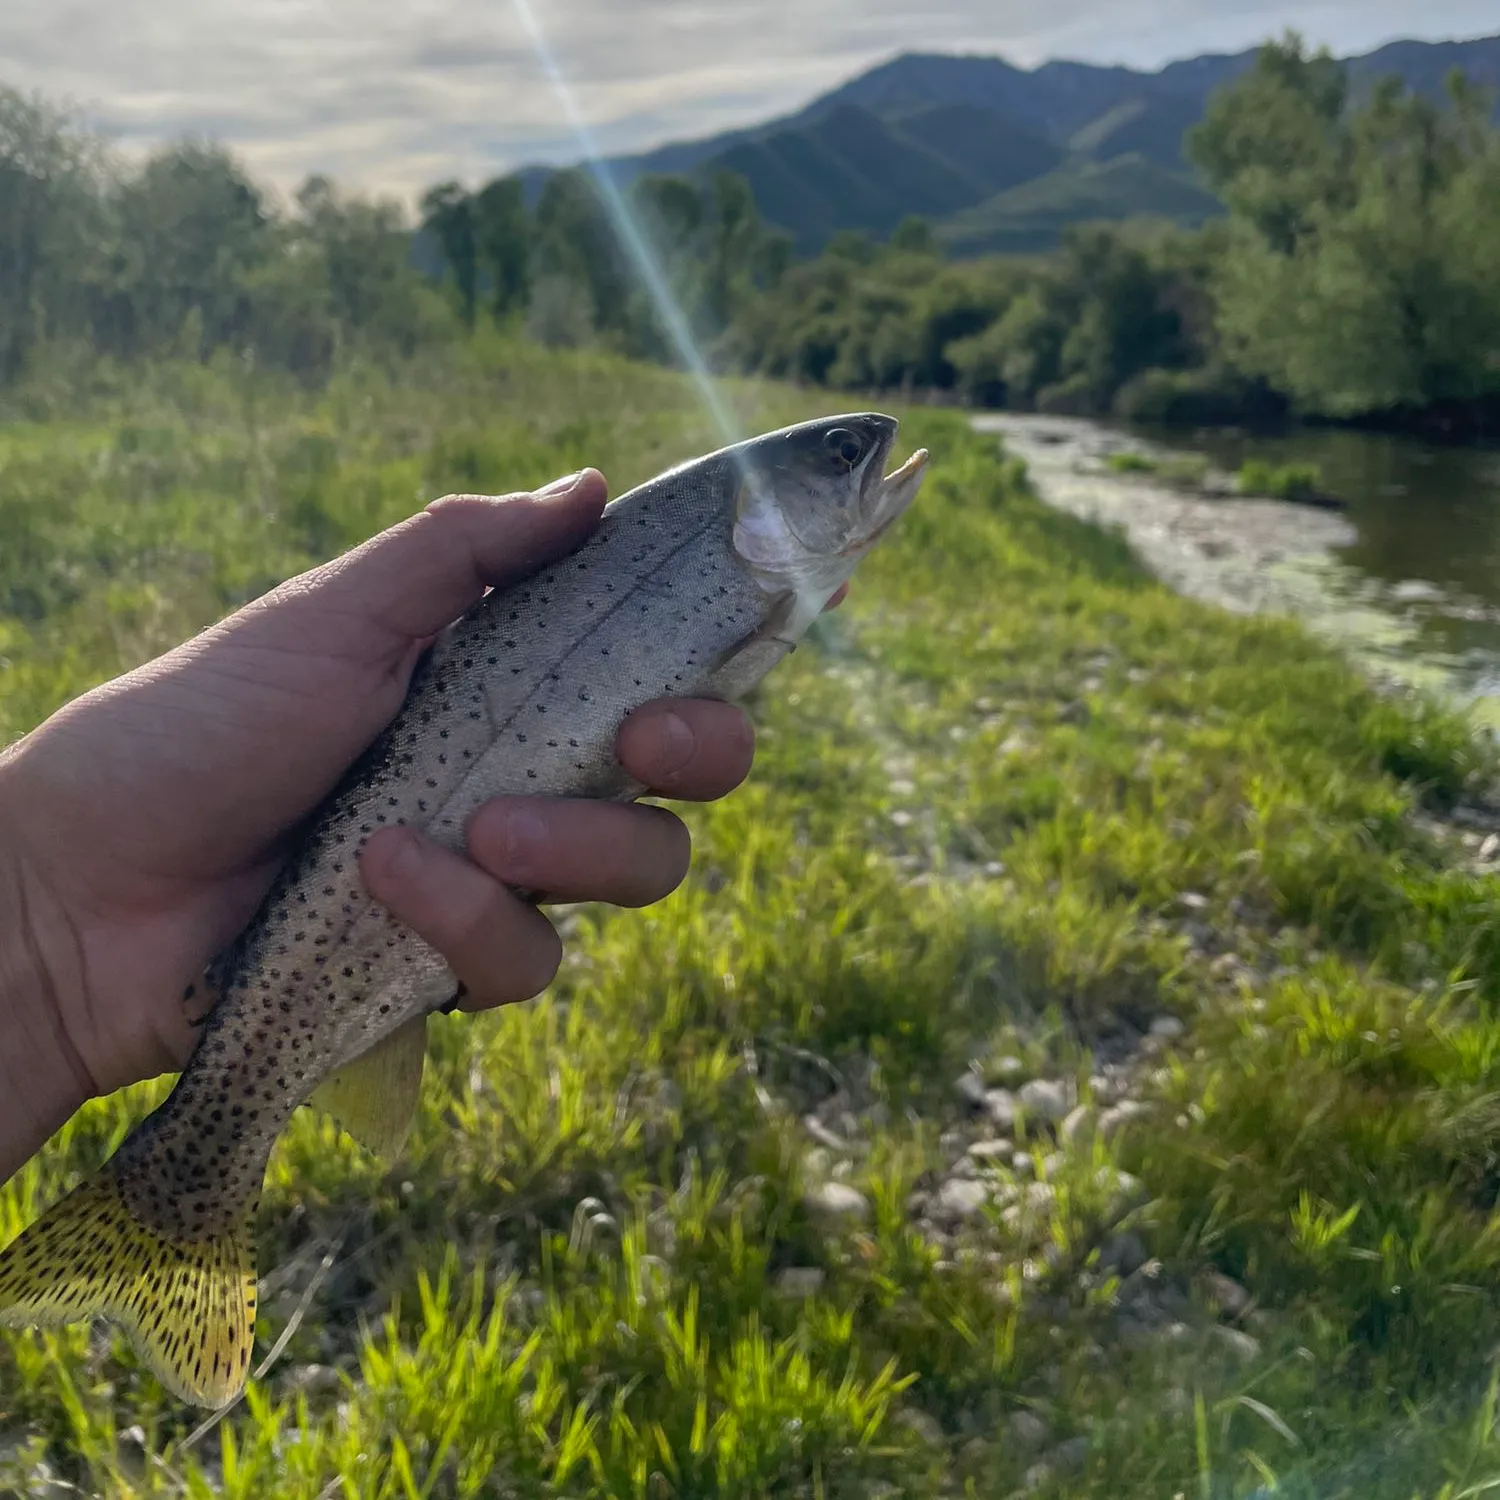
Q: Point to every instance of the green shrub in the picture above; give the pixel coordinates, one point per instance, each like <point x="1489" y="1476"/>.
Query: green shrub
<point x="1280" y="482"/>
<point x="1073" y="397"/>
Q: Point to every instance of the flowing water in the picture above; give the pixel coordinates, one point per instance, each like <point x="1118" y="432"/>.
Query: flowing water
<point x="1407" y="577"/>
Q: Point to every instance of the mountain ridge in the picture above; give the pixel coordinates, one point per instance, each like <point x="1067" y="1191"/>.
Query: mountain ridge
<point x="963" y="138"/>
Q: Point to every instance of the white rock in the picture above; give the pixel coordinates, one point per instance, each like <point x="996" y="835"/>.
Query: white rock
<point x="1001" y="1107"/>
<point x="1045" y="1099"/>
<point x="1116" y="1118"/>
<point x="1167" y="1028"/>
<point x="991" y="1151"/>
<point x="971" y="1089"/>
<point x="837" y="1200"/>
<point x="1077" y="1126"/>
<point x="959" y="1198"/>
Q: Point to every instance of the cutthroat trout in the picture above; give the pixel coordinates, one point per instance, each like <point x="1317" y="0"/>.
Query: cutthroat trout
<point x="695" y="584"/>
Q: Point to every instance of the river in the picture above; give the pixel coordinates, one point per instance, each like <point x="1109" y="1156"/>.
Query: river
<point x="1407" y="578"/>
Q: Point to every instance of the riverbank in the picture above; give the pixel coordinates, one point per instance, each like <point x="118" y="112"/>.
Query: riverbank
<point x="1068" y="1069"/>
<point x="1266" y="556"/>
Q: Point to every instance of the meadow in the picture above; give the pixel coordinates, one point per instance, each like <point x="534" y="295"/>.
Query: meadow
<point x="1069" y="1069"/>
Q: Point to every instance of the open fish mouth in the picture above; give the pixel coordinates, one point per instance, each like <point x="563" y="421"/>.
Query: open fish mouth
<point x="886" y="497"/>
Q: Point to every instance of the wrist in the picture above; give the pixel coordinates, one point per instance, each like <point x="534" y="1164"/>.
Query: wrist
<point x="42" y="1079"/>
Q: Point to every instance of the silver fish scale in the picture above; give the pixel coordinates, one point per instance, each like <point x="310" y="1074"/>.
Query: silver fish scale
<point x="524" y="696"/>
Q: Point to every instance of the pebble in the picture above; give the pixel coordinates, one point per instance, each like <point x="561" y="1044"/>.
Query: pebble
<point x="1122" y="1253"/>
<point x="1070" y="1455"/>
<point x="314" y="1378"/>
<point x="822" y="1134"/>
<point x="1077" y="1126"/>
<point x="971" y="1089"/>
<point x="1046" y="1099"/>
<point x="959" y="1199"/>
<point x="1023" y="1164"/>
<point x="1105" y="1088"/>
<point x="837" y="1200"/>
<point x="800" y="1281"/>
<point x="1240" y="1344"/>
<point x="1027" y="1430"/>
<point x="921" y="1424"/>
<point x="1038" y="1476"/>
<point x="1167" y="1028"/>
<point x="1006" y="1069"/>
<point x="1001" y="1107"/>
<point x="991" y="1151"/>
<point x="1193" y="901"/>
<point x="817" y="1162"/>
<point x="1022" y="1217"/>
<point x="1118" y="1116"/>
<point x="1227" y="1294"/>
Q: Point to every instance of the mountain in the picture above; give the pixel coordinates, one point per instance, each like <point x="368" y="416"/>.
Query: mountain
<point x="1030" y="218"/>
<point x="1000" y="157"/>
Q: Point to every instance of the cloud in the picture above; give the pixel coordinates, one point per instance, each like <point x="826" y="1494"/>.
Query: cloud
<point x="392" y="97"/>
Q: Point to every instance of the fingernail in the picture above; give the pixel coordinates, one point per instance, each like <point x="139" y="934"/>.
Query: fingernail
<point x="522" y="838"/>
<point x="563" y="485"/>
<point x="677" y="743"/>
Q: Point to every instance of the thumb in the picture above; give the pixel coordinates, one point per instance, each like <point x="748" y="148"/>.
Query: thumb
<point x="423" y="573"/>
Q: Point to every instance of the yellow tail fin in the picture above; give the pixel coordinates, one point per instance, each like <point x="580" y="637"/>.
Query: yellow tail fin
<point x="189" y="1307"/>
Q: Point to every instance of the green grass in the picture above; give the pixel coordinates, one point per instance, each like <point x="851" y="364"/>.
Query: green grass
<point x="1131" y="462"/>
<point x="1280" y="481"/>
<point x="981" y="797"/>
<point x="1186" y="471"/>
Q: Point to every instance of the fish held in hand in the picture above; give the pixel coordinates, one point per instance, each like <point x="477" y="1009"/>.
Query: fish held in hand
<point x="695" y="584"/>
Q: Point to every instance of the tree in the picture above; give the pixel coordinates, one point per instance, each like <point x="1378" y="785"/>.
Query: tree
<point x="914" y="236"/>
<point x="448" y="216"/>
<point x="51" y="225"/>
<point x="191" y="232"/>
<point x="1355" y="277"/>
<point x="576" y="245"/>
<point x="503" y="243"/>
<point x="1270" y="144"/>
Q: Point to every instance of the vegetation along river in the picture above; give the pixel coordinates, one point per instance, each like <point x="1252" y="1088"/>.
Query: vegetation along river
<point x="1406" y="576"/>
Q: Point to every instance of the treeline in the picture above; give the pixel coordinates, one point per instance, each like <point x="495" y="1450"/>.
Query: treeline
<point x="1355" y="271"/>
<point x="184" y="255"/>
<point x="563" y="269"/>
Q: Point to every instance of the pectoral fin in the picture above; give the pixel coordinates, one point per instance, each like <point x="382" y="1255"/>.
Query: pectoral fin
<point x="745" y="663"/>
<point x="375" y="1097"/>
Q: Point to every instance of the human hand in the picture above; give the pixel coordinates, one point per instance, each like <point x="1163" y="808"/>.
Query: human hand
<point x="142" y="824"/>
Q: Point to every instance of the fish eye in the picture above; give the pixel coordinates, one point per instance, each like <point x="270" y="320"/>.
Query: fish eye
<point x="844" y="446"/>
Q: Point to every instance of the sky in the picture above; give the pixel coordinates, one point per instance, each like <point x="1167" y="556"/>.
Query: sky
<point x="387" y="96"/>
